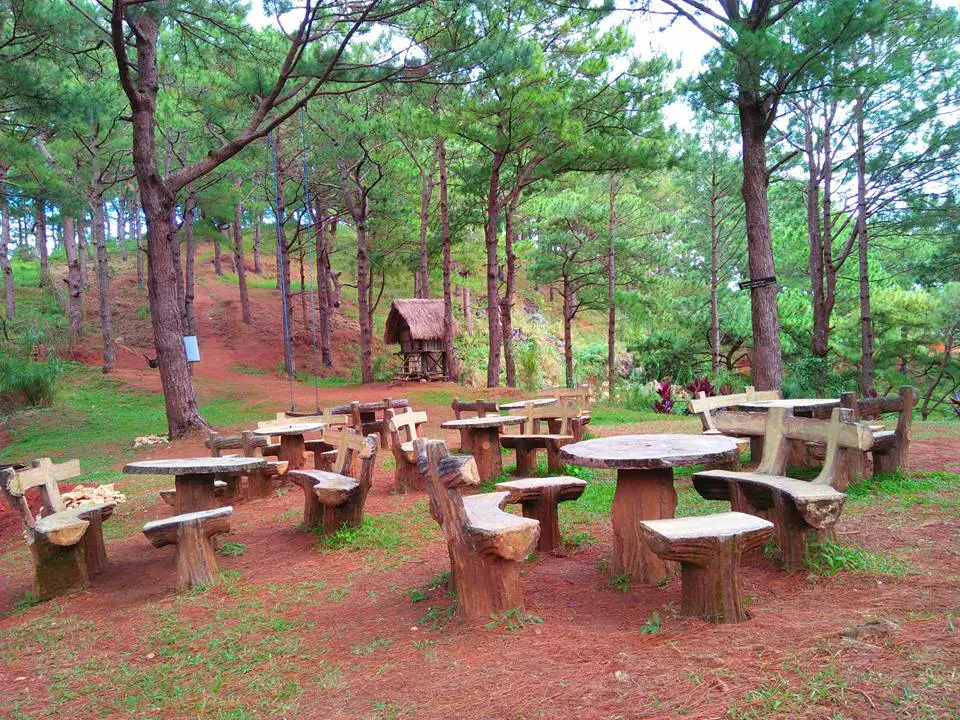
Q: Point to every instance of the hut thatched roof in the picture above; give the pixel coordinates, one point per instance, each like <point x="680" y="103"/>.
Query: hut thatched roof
<point x="423" y="317"/>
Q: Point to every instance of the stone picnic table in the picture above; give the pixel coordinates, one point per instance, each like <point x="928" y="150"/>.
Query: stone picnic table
<point x="481" y="436"/>
<point x="194" y="477"/>
<point x="292" y="443"/>
<point x="644" y="465"/>
<point x="819" y="408"/>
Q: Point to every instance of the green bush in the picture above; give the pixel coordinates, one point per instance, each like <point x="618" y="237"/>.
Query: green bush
<point x="25" y="383"/>
<point x="528" y="363"/>
<point x="815" y="377"/>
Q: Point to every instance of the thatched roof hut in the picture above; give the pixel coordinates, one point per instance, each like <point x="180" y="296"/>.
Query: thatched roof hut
<point x="417" y="325"/>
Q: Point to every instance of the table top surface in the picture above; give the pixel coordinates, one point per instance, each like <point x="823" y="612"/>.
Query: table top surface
<point x="520" y="404"/>
<point x="489" y="421"/>
<point x="649" y="452"/>
<point x="290" y="429"/>
<point x="195" y="465"/>
<point x="793" y="403"/>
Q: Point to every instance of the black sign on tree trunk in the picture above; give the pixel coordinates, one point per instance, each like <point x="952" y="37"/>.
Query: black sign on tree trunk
<point x="758" y="283"/>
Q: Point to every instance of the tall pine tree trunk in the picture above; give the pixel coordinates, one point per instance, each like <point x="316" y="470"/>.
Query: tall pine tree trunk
<point x="103" y="278"/>
<point x="73" y="280"/>
<point x="40" y="233"/>
<point x="10" y="305"/>
<point x="190" y="263"/>
<point x="766" y="358"/>
<point x="257" y="221"/>
<point x="448" y="323"/>
<point x="493" y="289"/>
<point x="324" y="301"/>
<point x="467" y="310"/>
<point x="238" y="261"/>
<point x="567" y="329"/>
<point x="506" y="304"/>
<point x="158" y="202"/>
<point x="611" y="289"/>
<point x="136" y="234"/>
<point x="121" y="228"/>
<point x="714" y="266"/>
<point x="426" y="193"/>
<point x="866" y="317"/>
<point x="363" y="299"/>
<point x="82" y="246"/>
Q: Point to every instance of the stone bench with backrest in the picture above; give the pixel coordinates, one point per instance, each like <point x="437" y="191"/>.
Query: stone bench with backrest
<point x="485" y="544"/>
<point x="704" y="407"/>
<point x="580" y="396"/>
<point x="529" y="440"/>
<point x="477" y="408"/>
<point x="890" y="448"/>
<point x="800" y="510"/>
<point x="539" y="499"/>
<point x="405" y="427"/>
<point x="708" y="549"/>
<point x="324" y="453"/>
<point x="66" y="544"/>
<point x="335" y="498"/>
<point x="192" y="534"/>
<point x="218" y="442"/>
<point x="371" y="417"/>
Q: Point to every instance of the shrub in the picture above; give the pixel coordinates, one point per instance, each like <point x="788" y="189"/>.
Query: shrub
<point x="25" y="383"/>
<point x="664" y="405"/>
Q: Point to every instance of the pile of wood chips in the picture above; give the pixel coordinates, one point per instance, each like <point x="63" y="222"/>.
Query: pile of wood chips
<point x="82" y="496"/>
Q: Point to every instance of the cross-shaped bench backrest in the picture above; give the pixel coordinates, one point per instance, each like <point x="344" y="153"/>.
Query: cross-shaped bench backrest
<point x="562" y="410"/>
<point x="351" y="445"/>
<point x="581" y="394"/>
<point x="45" y="476"/>
<point x="778" y="426"/>
<point x="481" y="408"/>
<point x="406" y="425"/>
<point x="704" y="406"/>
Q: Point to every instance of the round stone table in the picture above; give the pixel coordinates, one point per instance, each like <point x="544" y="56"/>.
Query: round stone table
<point x="291" y="440"/>
<point x="644" y="465"/>
<point x="481" y="436"/>
<point x="194" y="477"/>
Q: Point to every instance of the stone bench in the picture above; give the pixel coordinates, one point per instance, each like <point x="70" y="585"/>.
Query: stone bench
<point x="334" y="499"/>
<point x="485" y="543"/>
<point x="530" y="440"/>
<point x="539" y="499"/>
<point x="890" y="447"/>
<point x="801" y="510"/>
<point x="405" y="427"/>
<point x="66" y="544"/>
<point x="708" y="549"/>
<point x="192" y="534"/>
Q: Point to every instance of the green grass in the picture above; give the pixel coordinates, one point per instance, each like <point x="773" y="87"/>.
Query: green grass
<point x="105" y="416"/>
<point x="829" y="558"/>
<point x="902" y="490"/>
<point x="392" y="537"/>
<point x="245" y="370"/>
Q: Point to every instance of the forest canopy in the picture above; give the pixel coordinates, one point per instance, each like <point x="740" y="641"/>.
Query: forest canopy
<point x="588" y="211"/>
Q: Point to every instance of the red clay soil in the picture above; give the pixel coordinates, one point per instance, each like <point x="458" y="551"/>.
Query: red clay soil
<point x="588" y="659"/>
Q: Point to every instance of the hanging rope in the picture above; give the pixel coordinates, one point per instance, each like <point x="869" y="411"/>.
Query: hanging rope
<point x="313" y="264"/>
<point x="280" y="267"/>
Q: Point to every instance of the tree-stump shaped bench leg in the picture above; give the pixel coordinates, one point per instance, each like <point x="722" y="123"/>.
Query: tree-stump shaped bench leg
<point x="341" y="505"/>
<point x="312" y="509"/>
<point x="526" y="459"/>
<point x="793" y="533"/>
<point x="94" y="550"/>
<point x="486" y="585"/>
<point x="58" y="569"/>
<point x="408" y="474"/>
<point x="539" y="499"/>
<point x="192" y="533"/>
<point x="554" y="463"/>
<point x="708" y="549"/>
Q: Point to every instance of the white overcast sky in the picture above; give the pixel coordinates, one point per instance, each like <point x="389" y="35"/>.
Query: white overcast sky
<point x="679" y="40"/>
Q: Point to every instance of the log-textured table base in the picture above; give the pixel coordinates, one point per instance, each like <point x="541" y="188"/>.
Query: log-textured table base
<point x="640" y="495"/>
<point x="484" y="445"/>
